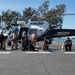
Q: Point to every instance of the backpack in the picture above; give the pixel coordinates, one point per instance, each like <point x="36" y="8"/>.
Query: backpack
<point x="9" y="43"/>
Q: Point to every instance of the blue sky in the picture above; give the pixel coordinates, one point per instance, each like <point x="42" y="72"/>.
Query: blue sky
<point x="20" y="5"/>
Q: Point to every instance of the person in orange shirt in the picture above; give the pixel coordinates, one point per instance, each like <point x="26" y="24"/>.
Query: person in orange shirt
<point x="45" y="44"/>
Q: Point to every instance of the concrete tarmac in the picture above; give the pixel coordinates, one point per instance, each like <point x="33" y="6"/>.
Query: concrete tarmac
<point x="40" y="62"/>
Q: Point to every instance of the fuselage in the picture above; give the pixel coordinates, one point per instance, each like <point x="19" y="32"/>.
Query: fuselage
<point x="42" y="30"/>
<point x="38" y="26"/>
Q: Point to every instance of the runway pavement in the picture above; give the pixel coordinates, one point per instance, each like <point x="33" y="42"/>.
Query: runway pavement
<point x="40" y="62"/>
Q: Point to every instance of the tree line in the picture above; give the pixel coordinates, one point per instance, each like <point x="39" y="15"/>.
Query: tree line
<point x="53" y="16"/>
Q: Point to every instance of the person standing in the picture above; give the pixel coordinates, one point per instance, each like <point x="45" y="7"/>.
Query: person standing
<point x="33" y="38"/>
<point x="14" y="40"/>
<point x="2" y="41"/>
<point x="24" y="36"/>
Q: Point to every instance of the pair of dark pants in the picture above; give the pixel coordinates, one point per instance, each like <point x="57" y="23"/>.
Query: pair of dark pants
<point x="24" y="46"/>
<point x="1" y="43"/>
<point x="47" y="47"/>
<point x="30" y="46"/>
<point x="14" y="43"/>
<point x="27" y="46"/>
<point x="67" y="47"/>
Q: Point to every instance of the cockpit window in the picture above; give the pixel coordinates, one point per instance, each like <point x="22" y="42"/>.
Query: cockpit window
<point x="31" y="31"/>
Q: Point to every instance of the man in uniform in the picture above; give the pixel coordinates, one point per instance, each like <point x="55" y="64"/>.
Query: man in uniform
<point x="2" y="41"/>
<point x="33" y="38"/>
<point x="68" y="44"/>
<point x="14" y="40"/>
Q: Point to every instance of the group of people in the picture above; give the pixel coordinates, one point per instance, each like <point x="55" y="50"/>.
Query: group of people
<point x="29" y="43"/>
<point x="67" y="45"/>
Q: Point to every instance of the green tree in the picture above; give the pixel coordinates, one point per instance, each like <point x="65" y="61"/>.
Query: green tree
<point x="9" y="16"/>
<point x="29" y="13"/>
<point x="55" y="16"/>
<point x="43" y="8"/>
